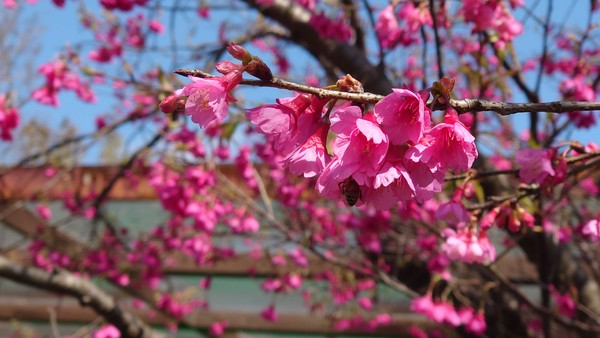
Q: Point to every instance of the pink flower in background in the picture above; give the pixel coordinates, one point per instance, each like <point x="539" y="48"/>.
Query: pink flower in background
<point x="536" y="164"/>
<point x="208" y="99"/>
<point x="331" y="29"/>
<point x="58" y="77"/>
<point x="366" y="303"/>
<point x="299" y="257"/>
<point x="591" y="229"/>
<point x="123" y="5"/>
<point x="566" y="304"/>
<point x="576" y="89"/>
<point x="474" y="322"/>
<point x="465" y="245"/>
<point x="156" y="26"/>
<point x="402" y="116"/>
<point x="9" y="119"/>
<point x="414" y="16"/>
<point x="107" y="331"/>
<point x="453" y="213"/>
<point x="10" y="4"/>
<point x="386" y="28"/>
<point x="269" y="314"/>
<point x="493" y="15"/>
<point x="44" y="212"/>
<point x="218" y="328"/>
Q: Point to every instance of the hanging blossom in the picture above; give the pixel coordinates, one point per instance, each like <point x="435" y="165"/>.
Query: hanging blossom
<point x="9" y="119"/>
<point x="444" y="312"/>
<point x="465" y="245"/>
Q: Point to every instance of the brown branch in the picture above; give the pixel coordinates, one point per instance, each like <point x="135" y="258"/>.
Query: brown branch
<point x="85" y="291"/>
<point x="341" y="55"/>
<point x="438" y="40"/>
<point x="462" y="106"/>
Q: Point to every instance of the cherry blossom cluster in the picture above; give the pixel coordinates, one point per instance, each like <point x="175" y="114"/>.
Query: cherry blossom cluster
<point x="111" y="35"/>
<point x="59" y="77"/>
<point x="400" y="24"/>
<point x="382" y="157"/>
<point x="444" y="312"/>
<point x="327" y="28"/>
<point x="389" y="31"/>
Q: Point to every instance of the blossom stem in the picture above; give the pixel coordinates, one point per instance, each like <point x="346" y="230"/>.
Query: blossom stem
<point x="462" y="106"/>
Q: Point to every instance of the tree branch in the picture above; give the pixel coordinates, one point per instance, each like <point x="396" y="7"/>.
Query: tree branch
<point x="87" y="293"/>
<point x="462" y="106"/>
<point x="349" y="59"/>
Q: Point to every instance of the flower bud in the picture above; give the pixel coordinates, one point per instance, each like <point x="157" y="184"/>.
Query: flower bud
<point x="239" y="52"/>
<point x="349" y="84"/>
<point x="171" y="104"/>
<point x="226" y="67"/>
<point x="259" y="69"/>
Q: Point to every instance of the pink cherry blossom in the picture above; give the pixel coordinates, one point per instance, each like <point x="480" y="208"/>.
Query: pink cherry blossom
<point x="310" y="158"/>
<point x="402" y="116"/>
<point x="591" y="229"/>
<point x="448" y="144"/>
<point x="366" y="303"/>
<point x="565" y="302"/>
<point x="44" y="212"/>
<point x="289" y="122"/>
<point x="123" y="5"/>
<point x="386" y="28"/>
<point x="360" y="146"/>
<point x="536" y="164"/>
<point x="217" y="328"/>
<point x="107" y="331"/>
<point x="156" y="26"/>
<point x="207" y="99"/>
<point x="415" y="16"/>
<point x="392" y="184"/>
<point x="453" y="213"/>
<point x="269" y="313"/>
<point x="476" y="325"/>
<point x="331" y="29"/>
<point x="465" y="245"/>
